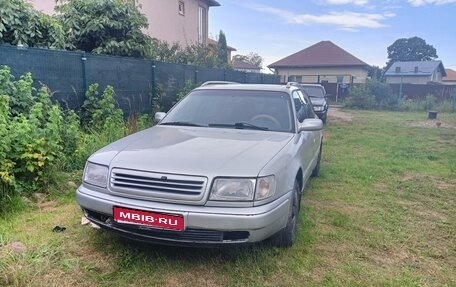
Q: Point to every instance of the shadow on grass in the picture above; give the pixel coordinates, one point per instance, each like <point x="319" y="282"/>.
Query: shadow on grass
<point x="131" y="253"/>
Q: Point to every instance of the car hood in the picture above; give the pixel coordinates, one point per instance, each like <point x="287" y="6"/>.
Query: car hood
<point x="195" y="151"/>
<point x="318" y="101"/>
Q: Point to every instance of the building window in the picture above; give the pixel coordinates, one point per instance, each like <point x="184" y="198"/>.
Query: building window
<point x="202" y="21"/>
<point x="294" y="78"/>
<point x="181" y="8"/>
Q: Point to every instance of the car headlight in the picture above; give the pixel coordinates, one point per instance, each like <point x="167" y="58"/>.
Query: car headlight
<point x="265" y="187"/>
<point x="233" y="189"/>
<point x="96" y="174"/>
<point x="243" y="189"/>
<point x="319" y="108"/>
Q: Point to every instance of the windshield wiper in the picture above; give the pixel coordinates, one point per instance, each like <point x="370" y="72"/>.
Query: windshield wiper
<point x="242" y="125"/>
<point x="181" y="123"/>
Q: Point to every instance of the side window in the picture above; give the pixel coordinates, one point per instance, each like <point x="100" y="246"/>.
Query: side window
<point x="299" y="105"/>
<point x="310" y="114"/>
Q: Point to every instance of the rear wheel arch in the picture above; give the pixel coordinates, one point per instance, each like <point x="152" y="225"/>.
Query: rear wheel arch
<point x="299" y="178"/>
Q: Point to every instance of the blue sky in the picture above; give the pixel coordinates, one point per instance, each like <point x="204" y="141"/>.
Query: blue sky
<point x="277" y="28"/>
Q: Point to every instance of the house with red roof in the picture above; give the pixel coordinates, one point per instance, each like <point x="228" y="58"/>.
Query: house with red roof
<point x="323" y="62"/>
<point x="244" y="66"/>
<point x="450" y="78"/>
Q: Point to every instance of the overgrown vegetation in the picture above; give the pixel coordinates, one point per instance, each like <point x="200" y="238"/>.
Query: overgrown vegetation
<point x="20" y="24"/>
<point x="39" y="138"/>
<point x="373" y="94"/>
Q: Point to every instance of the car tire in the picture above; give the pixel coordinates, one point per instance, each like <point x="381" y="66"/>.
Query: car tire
<point x="316" y="170"/>
<point x="287" y="236"/>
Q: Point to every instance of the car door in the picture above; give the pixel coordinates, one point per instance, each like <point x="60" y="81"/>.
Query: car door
<point x="307" y="140"/>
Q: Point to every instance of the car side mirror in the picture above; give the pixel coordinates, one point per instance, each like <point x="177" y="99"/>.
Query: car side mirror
<point x="159" y="116"/>
<point x="310" y="125"/>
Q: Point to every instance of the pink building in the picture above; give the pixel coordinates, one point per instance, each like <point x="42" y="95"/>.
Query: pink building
<point x="182" y="21"/>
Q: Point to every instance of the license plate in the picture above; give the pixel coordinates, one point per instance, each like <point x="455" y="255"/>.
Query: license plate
<point x="149" y="218"/>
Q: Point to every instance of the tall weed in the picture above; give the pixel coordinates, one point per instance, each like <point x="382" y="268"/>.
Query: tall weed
<point x="34" y="135"/>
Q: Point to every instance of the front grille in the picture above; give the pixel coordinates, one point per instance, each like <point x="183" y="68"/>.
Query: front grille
<point x="157" y="185"/>
<point x="186" y="235"/>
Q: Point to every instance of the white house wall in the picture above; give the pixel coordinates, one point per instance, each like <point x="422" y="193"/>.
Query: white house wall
<point x="311" y="75"/>
<point x="419" y="80"/>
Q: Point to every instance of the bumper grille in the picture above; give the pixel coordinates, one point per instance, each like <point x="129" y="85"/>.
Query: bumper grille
<point x="195" y="236"/>
<point x="156" y="185"/>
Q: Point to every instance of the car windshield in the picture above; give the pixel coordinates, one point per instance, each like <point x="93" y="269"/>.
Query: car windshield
<point x="315" y="92"/>
<point x="236" y="109"/>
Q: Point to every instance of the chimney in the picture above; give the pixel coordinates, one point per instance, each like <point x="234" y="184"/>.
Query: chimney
<point x="416" y="69"/>
<point x="398" y="69"/>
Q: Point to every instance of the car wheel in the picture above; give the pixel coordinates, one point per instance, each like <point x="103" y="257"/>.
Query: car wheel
<point x="287" y="236"/>
<point x="316" y="170"/>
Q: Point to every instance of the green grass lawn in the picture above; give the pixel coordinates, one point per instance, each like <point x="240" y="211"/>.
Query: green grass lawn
<point x="382" y="213"/>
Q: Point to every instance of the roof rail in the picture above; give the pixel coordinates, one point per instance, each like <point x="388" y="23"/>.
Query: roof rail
<point x="210" y="83"/>
<point x="295" y="84"/>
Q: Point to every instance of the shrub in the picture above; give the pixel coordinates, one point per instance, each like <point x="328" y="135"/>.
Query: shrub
<point x="100" y="112"/>
<point x="430" y="102"/>
<point x="360" y="98"/>
<point x="372" y="95"/>
<point x="188" y="86"/>
<point x="35" y="135"/>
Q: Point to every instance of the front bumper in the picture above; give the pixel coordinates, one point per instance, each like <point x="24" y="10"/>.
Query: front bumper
<point x="204" y="226"/>
<point x="321" y="112"/>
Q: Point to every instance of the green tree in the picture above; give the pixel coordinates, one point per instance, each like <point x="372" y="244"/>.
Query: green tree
<point x="20" y="24"/>
<point x="111" y="27"/>
<point x="222" y="50"/>
<point x="410" y="49"/>
<point x="375" y="73"/>
<point x="196" y="54"/>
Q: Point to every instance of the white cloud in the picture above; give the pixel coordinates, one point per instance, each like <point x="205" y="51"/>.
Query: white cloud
<point x="348" y="21"/>
<point x="345" y="2"/>
<point x="417" y="3"/>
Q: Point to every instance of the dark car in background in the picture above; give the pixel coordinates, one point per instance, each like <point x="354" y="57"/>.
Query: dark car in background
<point x="317" y="95"/>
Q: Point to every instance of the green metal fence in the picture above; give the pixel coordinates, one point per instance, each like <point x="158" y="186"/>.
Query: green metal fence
<point x="136" y="81"/>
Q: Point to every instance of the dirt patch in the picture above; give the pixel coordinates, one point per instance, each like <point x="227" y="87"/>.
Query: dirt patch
<point x="337" y="115"/>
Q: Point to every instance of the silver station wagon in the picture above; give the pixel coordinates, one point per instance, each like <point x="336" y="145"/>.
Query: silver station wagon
<point x="226" y="165"/>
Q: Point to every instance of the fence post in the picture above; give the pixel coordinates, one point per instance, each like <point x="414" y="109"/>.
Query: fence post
<point x="399" y="100"/>
<point x="196" y="76"/>
<point x="84" y="73"/>
<point x="245" y="77"/>
<point x="224" y="74"/>
<point x="152" y="66"/>
<point x="454" y="99"/>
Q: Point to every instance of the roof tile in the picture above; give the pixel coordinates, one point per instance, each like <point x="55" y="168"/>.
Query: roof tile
<point x="451" y="76"/>
<point x="414" y="68"/>
<point x="239" y="64"/>
<point x="324" y="53"/>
